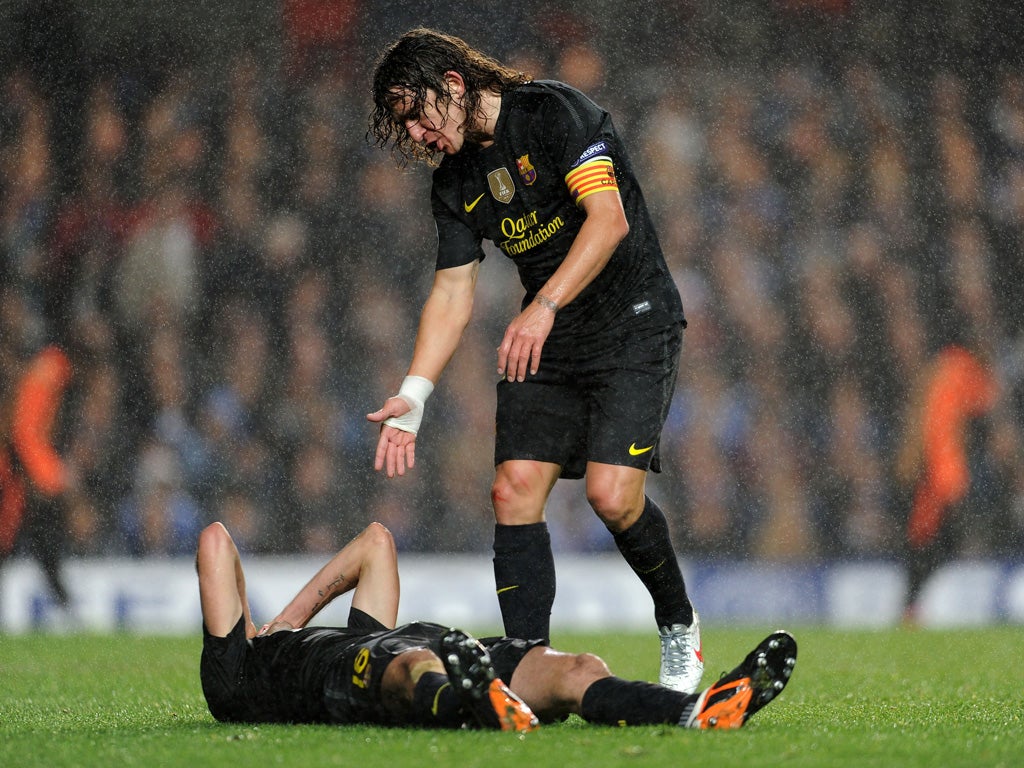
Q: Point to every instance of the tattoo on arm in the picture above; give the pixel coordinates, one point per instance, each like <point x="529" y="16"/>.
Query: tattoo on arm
<point x="328" y="591"/>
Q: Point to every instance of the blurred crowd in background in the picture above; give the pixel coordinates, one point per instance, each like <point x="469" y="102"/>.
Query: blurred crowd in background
<point x="236" y="274"/>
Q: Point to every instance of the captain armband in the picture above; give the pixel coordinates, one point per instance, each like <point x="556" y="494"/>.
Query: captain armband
<point x="595" y="175"/>
<point x="414" y="390"/>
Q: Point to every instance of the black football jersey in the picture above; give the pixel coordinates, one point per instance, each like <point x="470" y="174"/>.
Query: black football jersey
<point x="552" y="147"/>
<point x="325" y="674"/>
<point x="288" y="672"/>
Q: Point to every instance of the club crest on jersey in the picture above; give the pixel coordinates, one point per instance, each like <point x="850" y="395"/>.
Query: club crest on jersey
<point x="526" y="171"/>
<point x="502" y="187"/>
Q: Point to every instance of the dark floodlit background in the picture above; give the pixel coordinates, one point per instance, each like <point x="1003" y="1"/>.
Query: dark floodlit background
<point x="187" y="197"/>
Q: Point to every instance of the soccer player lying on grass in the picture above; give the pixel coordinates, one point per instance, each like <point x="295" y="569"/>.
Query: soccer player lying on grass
<point x="424" y="674"/>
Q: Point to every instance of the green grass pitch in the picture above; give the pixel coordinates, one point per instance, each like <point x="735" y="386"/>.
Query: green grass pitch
<point x="858" y="698"/>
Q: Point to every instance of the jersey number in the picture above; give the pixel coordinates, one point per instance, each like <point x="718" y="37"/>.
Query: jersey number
<point x="359" y="666"/>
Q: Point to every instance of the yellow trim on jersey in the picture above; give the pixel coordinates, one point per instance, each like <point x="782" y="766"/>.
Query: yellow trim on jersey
<point x="597" y="175"/>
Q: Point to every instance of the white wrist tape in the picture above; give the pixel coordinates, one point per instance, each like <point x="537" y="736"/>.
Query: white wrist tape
<point x="414" y="390"/>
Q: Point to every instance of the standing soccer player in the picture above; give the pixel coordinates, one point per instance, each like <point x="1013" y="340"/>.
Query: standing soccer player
<point x="538" y="169"/>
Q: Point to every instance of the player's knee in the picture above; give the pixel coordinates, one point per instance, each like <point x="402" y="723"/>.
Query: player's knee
<point x="617" y="503"/>
<point x="514" y="496"/>
<point x="581" y="673"/>
<point x="501" y="497"/>
<point x="379" y="537"/>
<point x="613" y="509"/>
<point x="506" y="489"/>
<point x="590" y="666"/>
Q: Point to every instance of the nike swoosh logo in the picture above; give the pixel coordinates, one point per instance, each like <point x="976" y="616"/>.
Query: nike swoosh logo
<point x="506" y="589"/>
<point x="470" y="206"/>
<point x="634" y="451"/>
<point x="651" y="570"/>
<point x="437" y="698"/>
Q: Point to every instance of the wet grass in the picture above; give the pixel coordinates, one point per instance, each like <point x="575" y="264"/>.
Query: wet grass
<point x="888" y="698"/>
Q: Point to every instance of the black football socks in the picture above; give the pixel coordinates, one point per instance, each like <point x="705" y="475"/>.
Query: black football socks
<point x="614" y="701"/>
<point x="524" y="575"/>
<point x="647" y="548"/>
<point x="435" y="702"/>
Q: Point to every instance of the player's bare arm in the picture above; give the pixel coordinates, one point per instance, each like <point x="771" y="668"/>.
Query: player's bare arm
<point x="368" y="564"/>
<point x="601" y="233"/>
<point x="221" y="582"/>
<point x="443" y="320"/>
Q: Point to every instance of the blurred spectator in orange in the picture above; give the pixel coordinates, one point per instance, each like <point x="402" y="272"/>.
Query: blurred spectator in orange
<point x="958" y="389"/>
<point x="38" y="481"/>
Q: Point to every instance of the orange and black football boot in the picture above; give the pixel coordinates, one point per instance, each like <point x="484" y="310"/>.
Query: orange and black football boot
<point x="731" y="701"/>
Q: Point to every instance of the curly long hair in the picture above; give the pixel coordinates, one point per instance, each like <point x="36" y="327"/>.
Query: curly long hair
<point x="416" y="62"/>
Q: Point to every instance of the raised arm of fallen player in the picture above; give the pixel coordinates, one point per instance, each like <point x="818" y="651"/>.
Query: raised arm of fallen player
<point x="368" y="564"/>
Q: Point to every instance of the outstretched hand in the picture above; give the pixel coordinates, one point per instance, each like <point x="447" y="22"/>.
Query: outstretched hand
<point x="396" y="448"/>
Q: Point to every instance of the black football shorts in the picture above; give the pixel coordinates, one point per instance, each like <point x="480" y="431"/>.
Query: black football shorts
<point x="607" y="407"/>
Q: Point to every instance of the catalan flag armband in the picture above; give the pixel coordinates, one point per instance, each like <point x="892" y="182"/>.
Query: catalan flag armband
<point x="597" y="175"/>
